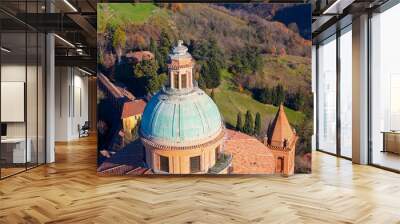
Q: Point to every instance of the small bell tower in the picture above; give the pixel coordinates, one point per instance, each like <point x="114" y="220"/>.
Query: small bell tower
<point x="180" y="68"/>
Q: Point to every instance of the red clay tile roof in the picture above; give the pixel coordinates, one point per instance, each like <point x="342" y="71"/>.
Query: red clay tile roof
<point x="139" y="171"/>
<point x="109" y="169"/>
<point x="133" y="108"/>
<point x="250" y="156"/>
<point x="175" y="64"/>
<point x="140" y="55"/>
<point x="126" y="93"/>
<point x="280" y="129"/>
<point x="114" y="90"/>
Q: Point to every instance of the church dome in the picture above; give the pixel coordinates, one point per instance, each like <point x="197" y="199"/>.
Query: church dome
<point x="181" y="115"/>
<point x="181" y="118"/>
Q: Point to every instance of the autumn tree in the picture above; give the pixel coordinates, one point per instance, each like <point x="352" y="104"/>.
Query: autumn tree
<point x="282" y="52"/>
<point x="176" y="7"/>
<point x="154" y="83"/>
<point x="139" y="41"/>
<point x="153" y="46"/>
<point x="209" y="55"/>
<point x="164" y="48"/>
<point x="245" y="62"/>
<point x="212" y="95"/>
<point x="273" y="50"/>
<point x="145" y="68"/>
<point x="119" y="41"/>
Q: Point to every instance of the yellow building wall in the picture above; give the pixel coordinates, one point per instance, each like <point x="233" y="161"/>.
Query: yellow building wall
<point x="179" y="160"/>
<point x="129" y="124"/>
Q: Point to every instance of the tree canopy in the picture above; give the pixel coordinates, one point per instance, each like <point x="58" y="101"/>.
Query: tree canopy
<point x="248" y="127"/>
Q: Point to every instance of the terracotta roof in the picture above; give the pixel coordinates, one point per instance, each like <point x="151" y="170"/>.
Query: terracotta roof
<point x="182" y="63"/>
<point x="116" y="91"/>
<point x="139" y="171"/>
<point x="127" y="94"/>
<point x="280" y="129"/>
<point x="109" y="169"/>
<point x="109" y="86"/>
<point x="133" y="108"/>
<point x="250" y="156"/>
<point x="139" y="56"/>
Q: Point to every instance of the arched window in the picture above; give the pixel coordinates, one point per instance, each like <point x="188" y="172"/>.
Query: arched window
<point x="176" y="80"/>
<point x="164" y="164"/>
<point x="217" y="153"/>
<point x="279" y="165"/>
<point x="195" y="164"/>
<point x="184" y="81"/>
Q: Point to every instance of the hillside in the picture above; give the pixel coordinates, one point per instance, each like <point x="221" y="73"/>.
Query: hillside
<point x="291" y="71"/>
<point x="114" y="14"/>
<point x="234" y="29"/>
<point x="285" y="13"/>
<point x="231" y="29"/>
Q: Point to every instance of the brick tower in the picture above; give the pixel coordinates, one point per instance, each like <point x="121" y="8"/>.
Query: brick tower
<point x="281" y="139"/>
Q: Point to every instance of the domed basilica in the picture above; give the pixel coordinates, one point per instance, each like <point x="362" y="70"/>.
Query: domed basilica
<point x="183" y="132"/>
<point x="181" y="127"/>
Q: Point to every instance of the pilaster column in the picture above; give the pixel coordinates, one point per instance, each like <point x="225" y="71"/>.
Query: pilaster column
<point x="360" y="90"/>
<point x="171" y="78"/>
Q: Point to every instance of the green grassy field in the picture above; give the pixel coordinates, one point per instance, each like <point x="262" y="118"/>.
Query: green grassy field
<point x="231" y="101"/>
<point x="291" y="71"/>
<point x="129" y="13"/>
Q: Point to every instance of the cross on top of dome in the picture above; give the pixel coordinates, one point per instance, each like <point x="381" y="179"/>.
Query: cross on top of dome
<point x="180" y="49"/>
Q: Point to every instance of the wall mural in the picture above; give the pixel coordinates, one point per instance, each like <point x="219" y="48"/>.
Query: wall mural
<point x="204" y="88"/>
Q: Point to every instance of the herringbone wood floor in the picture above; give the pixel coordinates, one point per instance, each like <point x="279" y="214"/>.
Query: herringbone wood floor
<point x="69" y="191"/>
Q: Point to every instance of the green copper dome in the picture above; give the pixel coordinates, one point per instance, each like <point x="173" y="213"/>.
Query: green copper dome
<point x="181" y="118"/>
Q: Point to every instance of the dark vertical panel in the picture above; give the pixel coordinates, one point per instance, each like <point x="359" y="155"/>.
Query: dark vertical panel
<point x="317" y="97"/>
<point x="369" y="125"/>
<point x="73" y="91"/>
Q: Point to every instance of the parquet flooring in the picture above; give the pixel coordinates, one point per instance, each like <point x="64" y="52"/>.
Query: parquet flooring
<point x="69" y="191"/>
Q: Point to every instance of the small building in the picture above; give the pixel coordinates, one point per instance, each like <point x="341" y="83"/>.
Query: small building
<point x="281" y="140"/>
<point x="131" y="115"/>
<point x="138" y="56"/>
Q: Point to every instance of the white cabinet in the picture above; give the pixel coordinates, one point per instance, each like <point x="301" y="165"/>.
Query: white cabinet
<point x="17" y="145"/>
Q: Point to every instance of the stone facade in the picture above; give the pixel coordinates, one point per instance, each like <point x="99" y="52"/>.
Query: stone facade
<point x="179" y="159"/>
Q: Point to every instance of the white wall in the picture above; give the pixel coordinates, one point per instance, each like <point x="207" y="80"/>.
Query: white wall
<point x="385" y="77"/>
<point x="71" y="102"/>
<point x="17" y="73"/>
<point x="33" y="126"/>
